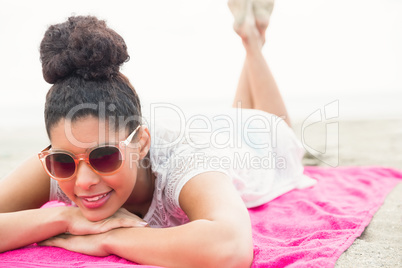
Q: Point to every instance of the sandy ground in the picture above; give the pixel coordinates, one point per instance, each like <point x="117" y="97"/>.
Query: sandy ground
<point x="365" y="143"/>
<point x="344" y="143"/>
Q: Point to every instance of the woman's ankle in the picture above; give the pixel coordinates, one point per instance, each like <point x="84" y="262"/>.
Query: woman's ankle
<point x="253" y="51"/>
<point x="253" y="42"/>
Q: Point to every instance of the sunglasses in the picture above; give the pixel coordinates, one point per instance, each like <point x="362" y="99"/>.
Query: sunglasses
<point x="104" y="160"/>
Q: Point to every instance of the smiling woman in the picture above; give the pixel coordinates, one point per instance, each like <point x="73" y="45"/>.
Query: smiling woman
<point x="128" y="193"/>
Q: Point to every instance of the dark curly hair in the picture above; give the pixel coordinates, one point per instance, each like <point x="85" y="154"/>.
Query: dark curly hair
<point x="81" y="58"/>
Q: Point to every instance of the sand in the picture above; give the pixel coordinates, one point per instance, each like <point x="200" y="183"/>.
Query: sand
<point x="360" y="142"/>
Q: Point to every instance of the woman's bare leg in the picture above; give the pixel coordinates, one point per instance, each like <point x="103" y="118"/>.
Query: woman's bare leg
<point x="241" y="9"/>
<point x="257" y="87"/>
<point x="264" y="90"/>
<point x="243" y="97"/>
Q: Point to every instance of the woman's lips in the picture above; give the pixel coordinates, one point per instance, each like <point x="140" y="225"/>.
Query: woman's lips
<point x="95" y="201"/>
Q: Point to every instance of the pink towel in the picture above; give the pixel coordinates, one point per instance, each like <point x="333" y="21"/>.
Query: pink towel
<point x="303" y="228"/>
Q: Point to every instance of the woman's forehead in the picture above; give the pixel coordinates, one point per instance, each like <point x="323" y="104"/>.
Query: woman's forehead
<point x="84" y="133"/>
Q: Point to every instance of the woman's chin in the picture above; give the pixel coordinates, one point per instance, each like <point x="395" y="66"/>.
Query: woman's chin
<point x="96" y="215"/>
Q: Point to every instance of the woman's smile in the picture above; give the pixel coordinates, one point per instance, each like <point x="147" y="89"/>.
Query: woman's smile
<point x="94" y="201"/>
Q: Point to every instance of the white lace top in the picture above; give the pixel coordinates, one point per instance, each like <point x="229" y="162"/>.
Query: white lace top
<point x="257" y="150"/>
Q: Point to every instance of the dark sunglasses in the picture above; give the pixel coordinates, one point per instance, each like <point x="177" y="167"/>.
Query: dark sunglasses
<point x="104" y="160"/>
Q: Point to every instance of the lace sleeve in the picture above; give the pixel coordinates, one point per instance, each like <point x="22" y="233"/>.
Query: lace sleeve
<point x="185" y="166"/>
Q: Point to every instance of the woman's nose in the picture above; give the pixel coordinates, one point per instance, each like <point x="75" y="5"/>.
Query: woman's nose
<point x="86" y="177"/>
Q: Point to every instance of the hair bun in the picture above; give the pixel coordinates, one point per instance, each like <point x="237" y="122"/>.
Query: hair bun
<point x="83" y="45"/>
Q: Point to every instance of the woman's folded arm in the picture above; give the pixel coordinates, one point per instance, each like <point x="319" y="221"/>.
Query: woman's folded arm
<point x="25" y="227"/>
<point x="22" y="192"/>
<point x="218" y="234"/>
<point x="200" y="243"/>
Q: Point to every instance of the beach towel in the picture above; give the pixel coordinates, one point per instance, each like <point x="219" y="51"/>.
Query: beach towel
<point x="302" y="228"/>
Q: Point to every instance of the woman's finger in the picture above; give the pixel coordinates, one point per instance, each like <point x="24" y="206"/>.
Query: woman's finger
<point x="79" y="225"/>
<point x="113" y="223"/>
<point x="55" y="241"/>
<point x="86" y="244"/>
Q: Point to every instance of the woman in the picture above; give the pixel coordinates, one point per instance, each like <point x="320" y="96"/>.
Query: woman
<point x="122" y="183"/>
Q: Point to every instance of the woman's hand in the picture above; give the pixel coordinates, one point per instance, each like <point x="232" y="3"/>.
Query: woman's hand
<point x="77" y="224"/>
<point x="85" y="244"/>
<point x="87" y="237"/>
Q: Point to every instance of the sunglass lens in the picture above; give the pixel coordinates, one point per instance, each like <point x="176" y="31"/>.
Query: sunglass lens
<point x="60" y="165"/>
<point x="105" y="159"/>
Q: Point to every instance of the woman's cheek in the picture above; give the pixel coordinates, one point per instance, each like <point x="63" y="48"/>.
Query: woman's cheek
<point x="123" y="181"/>
<point x="68" y="188"/>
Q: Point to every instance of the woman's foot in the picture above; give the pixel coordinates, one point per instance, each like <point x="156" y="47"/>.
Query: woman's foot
<point x="239" y="9"/>
<point x="262" y="10"/>
<point x="245" y="23"/>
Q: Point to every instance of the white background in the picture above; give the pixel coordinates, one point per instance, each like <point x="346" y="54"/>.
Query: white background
<point x="185" y="51"/>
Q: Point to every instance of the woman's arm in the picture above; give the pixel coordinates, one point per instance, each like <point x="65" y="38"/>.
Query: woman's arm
<point x="25" y="227"/>
<point x="219" y="234"/>
<point x="22" y="222"/>
<point x="21" y="193"/>
<point x="27" y="187"/>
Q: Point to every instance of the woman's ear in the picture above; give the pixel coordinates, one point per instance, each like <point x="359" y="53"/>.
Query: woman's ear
<point x="144" y="142"/>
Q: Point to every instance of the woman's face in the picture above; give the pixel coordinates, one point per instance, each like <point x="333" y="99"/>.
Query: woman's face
<point x="98" y="196"/>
